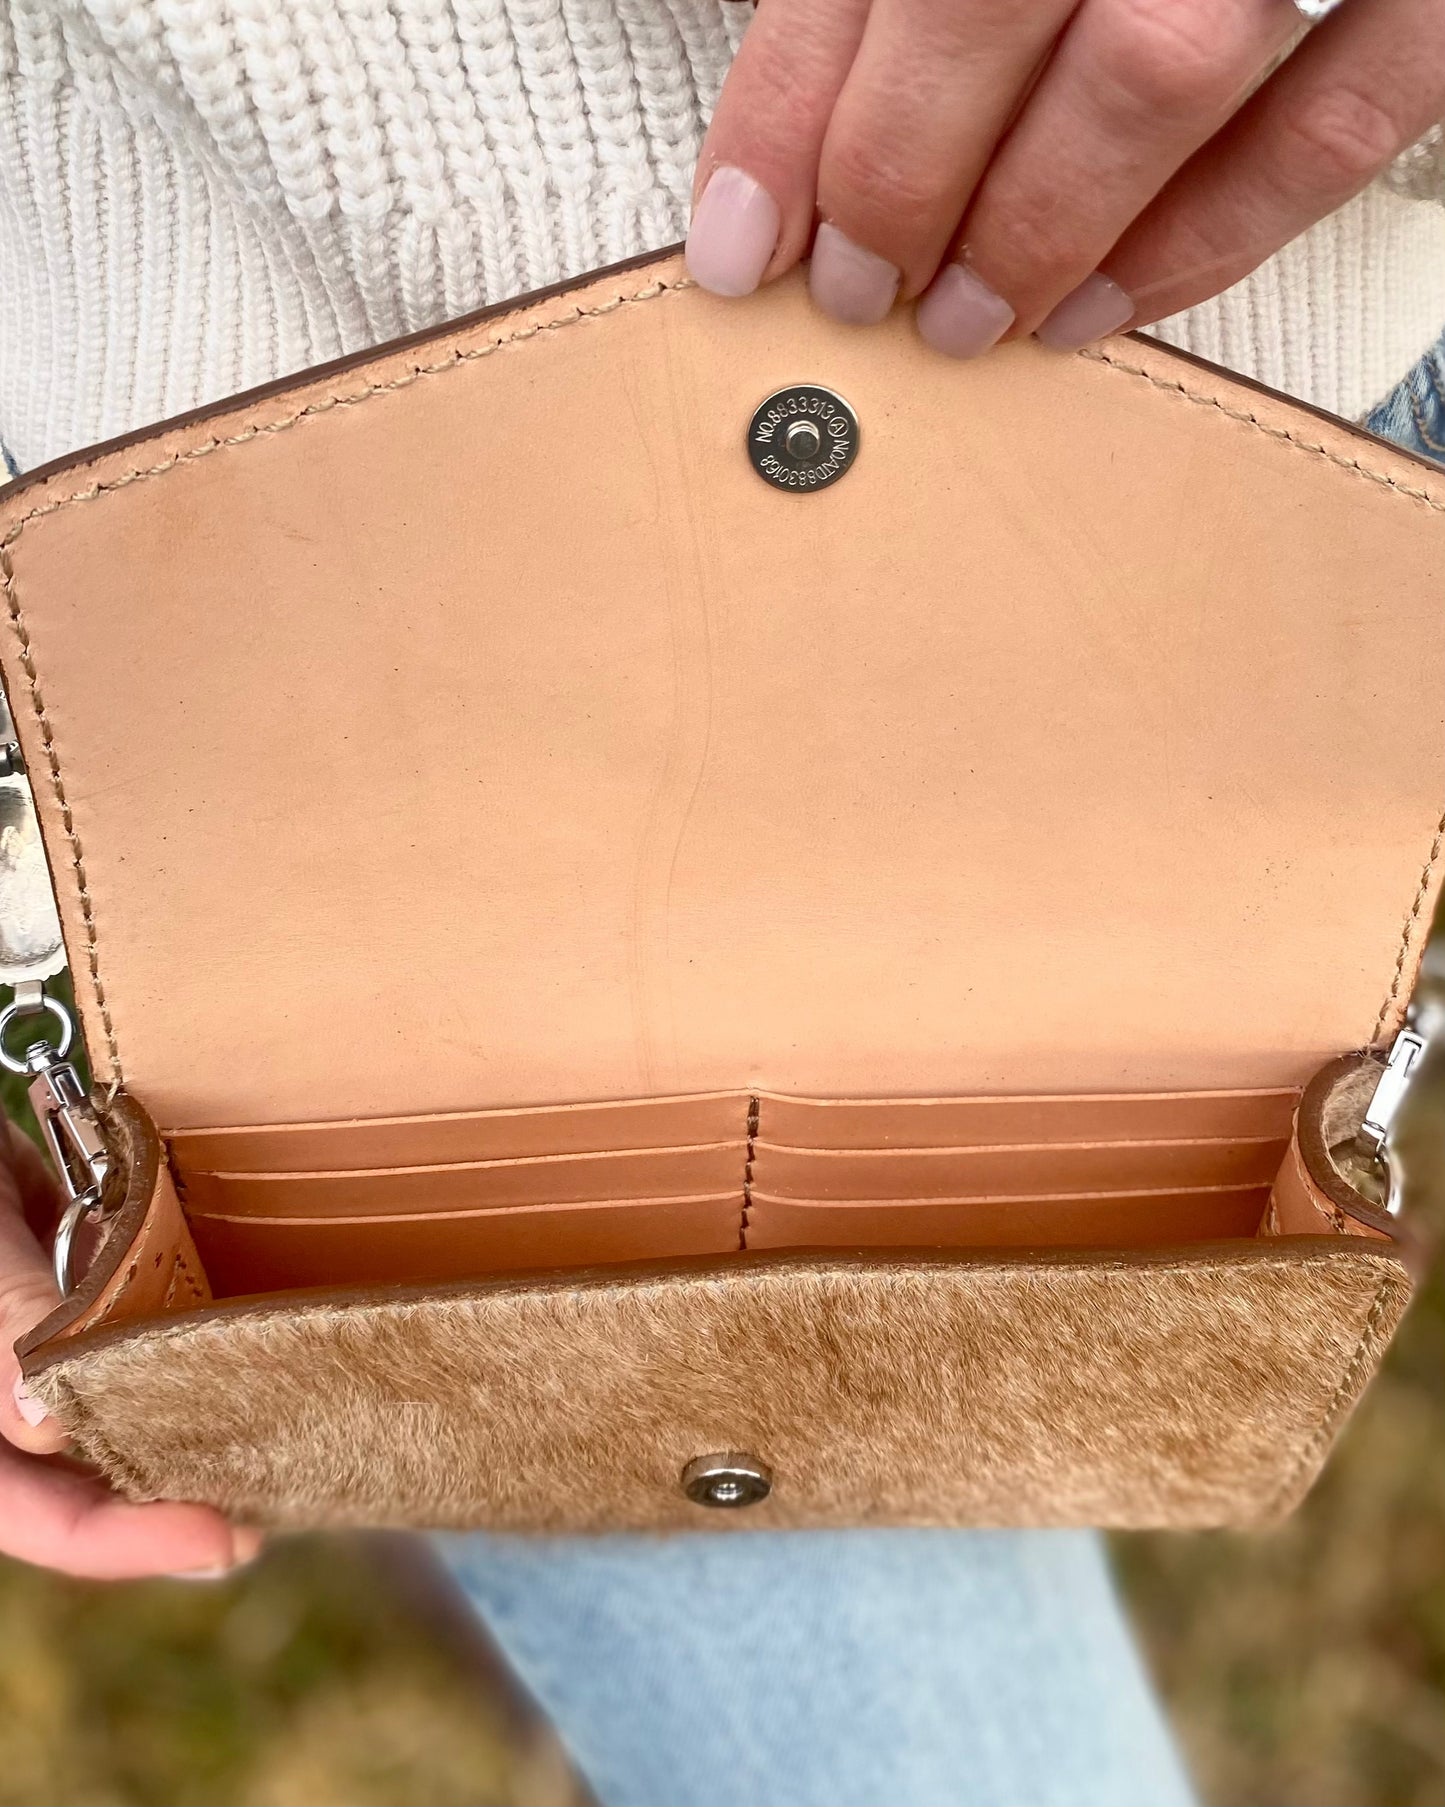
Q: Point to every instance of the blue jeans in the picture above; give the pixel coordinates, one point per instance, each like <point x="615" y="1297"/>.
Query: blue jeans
<point x="839" y="1669"/>
<point x="1413" y="415"/>
<point x="882" y="1668"/>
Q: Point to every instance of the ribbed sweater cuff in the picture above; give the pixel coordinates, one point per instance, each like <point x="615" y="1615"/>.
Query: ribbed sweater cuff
<point x="1339" y="316"/>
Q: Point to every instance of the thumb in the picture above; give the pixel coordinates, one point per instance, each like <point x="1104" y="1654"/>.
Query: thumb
<point x="28" y="1291"/>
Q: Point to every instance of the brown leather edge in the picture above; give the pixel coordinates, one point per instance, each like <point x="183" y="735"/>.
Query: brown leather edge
<point x="1311" y="1250"/>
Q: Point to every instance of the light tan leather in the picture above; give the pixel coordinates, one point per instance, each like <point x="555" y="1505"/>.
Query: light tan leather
<point x="669" y="1122"/>
<point x="1101" y="1220"/>
<point x="475" y="728"/>
<point x="470" y="731"/>
<point x="250" y="1254"/>
<point x="567" y="1179"/>
<point x="260" y="1230"/>
<point x="1011" y="1171"/>
<point x="975" y="1122"/>
<point x="1185" y="1387"/>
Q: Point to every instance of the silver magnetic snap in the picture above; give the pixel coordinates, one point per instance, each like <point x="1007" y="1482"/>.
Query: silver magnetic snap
<point x="729" y="1480"/>
<point x="803" y="438"/>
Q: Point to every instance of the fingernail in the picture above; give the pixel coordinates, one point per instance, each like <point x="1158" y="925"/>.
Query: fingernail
<point x="961" y="315"/>
<point x="29" y="1407"/>
<point x="1095" y="309"/>
<point x="734" y="233"/>
<point x="850" y="283"/>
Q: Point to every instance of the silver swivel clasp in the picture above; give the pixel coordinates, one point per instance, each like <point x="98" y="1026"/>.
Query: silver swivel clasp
<point x="67" y="1119"/>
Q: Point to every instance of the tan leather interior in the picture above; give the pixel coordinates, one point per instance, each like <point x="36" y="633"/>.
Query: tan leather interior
<point x="501" y="841"/>
<point x="961" y="1173"/>
<point x="473" y="727"/>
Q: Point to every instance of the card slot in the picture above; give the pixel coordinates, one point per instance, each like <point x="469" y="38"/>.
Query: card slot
<point x="914" y="1173"/>
<point x="972" y="1122"/>
<point x="625" y="1175"/>
<point x="1122" y="1220"/>
<point x="244" y="1254"/>
<point x="516" y="1133"/>
<point x="463" y="1136"/>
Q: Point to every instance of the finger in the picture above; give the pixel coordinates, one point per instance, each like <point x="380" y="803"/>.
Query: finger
<point x="28" y="1291"/>
<point x="931" y="90"/>
<point x="758" y="170"/>
<point x="1364" y="86"/>
<point x="1134" y="89"/>
<point x="58" y="1519"/>
<point x="39" y="1197"/>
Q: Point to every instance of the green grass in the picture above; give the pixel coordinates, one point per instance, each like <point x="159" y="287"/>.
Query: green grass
<point x="308" y="1681"/>
<point x="1306" y="1666"/>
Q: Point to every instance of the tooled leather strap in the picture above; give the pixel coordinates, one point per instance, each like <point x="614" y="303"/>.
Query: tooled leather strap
<point x="147" y="1264"/>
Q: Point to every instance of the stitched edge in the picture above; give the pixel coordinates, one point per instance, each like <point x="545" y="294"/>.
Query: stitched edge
<point x="755" y="1110"/>
<point x="1171" y="386"/>
<point x="1412" y="922"/>
<point x="1340" y="1403"/>
<point x="1250" y="419"/>
<point x="466" y="355"/>
<point x="57" y="784"/>
<point x="323" y="404"/>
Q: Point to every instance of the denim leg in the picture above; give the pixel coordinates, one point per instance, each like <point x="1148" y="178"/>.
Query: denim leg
<point x="1413" y="414"/>
<point x="847" y="1669"/>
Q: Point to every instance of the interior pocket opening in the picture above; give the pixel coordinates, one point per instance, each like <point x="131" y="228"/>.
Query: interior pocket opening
<point x="464" y="1195"/>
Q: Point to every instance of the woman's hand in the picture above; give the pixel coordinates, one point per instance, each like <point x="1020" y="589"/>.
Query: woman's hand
<point x="50" y="1512"/>
<point x="1059" y="167"/>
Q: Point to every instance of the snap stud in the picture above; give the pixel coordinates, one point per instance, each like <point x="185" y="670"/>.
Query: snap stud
<point x="727" y="1480"/>
<point x="803" y="438"/>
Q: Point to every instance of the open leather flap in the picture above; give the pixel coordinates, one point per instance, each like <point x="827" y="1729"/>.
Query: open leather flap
<point x="473" y="727"/>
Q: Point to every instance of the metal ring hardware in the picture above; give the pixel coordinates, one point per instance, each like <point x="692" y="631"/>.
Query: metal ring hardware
<point x="20" y="1010"/>
<point x="62" y="1253"/>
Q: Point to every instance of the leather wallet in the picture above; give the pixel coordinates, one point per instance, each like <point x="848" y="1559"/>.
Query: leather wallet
<point x="679" y="907"/>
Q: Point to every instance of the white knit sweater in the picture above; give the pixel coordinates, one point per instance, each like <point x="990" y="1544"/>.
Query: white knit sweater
<point x="200" y="195"/>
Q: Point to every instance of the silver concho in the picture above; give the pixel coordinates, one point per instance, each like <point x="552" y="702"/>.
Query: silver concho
<point x="803" y="438"/>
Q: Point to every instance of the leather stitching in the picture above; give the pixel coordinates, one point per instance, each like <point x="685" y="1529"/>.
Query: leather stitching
<point x="57" y="783"/>
<point x="1172" y="386"/>
<point x="465" y="355"/>
<point x="321" y="405"/>
<point x="1340" y="1401"/>
<point x="1412" y="923"/>
<point x="755" y="1108"/>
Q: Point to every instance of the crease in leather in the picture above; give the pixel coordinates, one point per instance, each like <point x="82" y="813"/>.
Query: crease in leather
<point x="1147" y="364"/>
<point x="1351" y="1320"/>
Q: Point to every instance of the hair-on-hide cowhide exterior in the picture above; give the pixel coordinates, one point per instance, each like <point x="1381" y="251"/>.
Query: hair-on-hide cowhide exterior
<point x="1188" y="1388"/>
